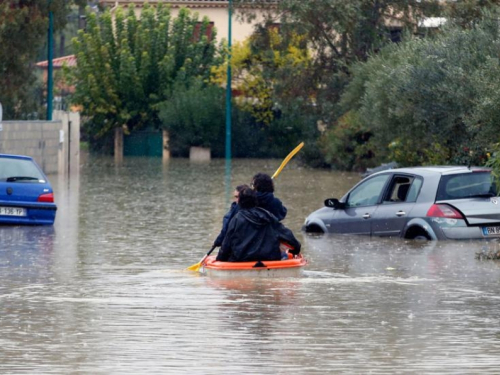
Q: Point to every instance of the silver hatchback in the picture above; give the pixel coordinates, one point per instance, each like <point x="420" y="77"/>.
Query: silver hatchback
<point x="434" y="203"/>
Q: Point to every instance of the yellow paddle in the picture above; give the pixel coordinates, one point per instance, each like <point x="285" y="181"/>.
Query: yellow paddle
<point x="287" y="159"/>
<point x="196" y="267"/>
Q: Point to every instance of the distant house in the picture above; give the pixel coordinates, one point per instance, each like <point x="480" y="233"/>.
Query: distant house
<point x="58" y="63"/>
<point x="215" y="10"/>
<point x="61" y="88"/>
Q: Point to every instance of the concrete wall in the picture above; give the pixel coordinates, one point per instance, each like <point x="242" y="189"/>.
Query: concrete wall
<point x="55" y="145"/>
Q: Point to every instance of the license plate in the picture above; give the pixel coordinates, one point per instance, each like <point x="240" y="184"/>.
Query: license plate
<point x="12" y="211"/>
<point x="491" y="231"/>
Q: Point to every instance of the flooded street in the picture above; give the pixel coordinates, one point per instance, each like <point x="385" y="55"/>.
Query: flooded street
<point x="105" y="291"/>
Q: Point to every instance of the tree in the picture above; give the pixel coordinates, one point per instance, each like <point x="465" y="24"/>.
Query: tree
<point x="258" y="65"/>
<point x="434" y="100"/>
<point x="23" y="31"/>
<point x="126" y="65"/>
<point x="340" y="33"/>
<point x="194" y="115"/>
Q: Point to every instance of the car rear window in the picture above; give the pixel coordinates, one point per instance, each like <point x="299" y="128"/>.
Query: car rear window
<point x="23" y="169"/>
<point x="466" y="185"/>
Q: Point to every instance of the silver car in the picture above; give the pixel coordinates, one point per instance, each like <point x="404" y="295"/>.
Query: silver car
<point x="433" y="203"/>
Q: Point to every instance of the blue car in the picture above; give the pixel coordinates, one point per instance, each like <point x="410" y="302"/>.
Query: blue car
<point x="26" y="196"/>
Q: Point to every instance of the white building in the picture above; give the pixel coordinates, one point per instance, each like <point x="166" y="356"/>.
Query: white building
<point x="215" y="10"/>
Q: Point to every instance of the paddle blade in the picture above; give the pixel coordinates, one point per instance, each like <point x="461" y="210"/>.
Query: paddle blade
<point x="195" y="267"/>
<point x="287" y="159"/>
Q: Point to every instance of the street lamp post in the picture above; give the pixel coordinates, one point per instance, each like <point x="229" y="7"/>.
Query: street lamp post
<point x="228" y="102"/>
<point x="50" y="65"/>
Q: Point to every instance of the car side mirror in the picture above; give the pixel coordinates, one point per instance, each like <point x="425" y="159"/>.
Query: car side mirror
<point x="334" y="203"/>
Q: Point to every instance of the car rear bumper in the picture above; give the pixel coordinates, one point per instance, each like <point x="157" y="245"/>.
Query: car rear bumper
<point x="451" y="229"/>
<point x="37" y="214"/>
<point x="467" y="233"/>
<point x="460" y="231"/>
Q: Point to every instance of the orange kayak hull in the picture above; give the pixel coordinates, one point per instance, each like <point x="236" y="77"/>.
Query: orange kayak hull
<point x="272" y="268"/>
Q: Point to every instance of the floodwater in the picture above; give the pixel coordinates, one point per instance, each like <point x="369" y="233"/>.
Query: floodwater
<point x="105" y="291"/>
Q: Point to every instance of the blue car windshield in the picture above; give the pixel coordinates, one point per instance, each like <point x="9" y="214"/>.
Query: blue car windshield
<point x="19" y="170"/>
<point x="466" y="185"/>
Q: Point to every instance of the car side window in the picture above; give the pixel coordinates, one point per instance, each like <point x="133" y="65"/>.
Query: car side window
<point x="403" y="189"/>
<point x="414" y="190"/>
<point x="368" y="192"/>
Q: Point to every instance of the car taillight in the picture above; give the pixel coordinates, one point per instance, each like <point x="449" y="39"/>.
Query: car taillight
<point x="443" y="210"/>
<point x="47" y="198"/>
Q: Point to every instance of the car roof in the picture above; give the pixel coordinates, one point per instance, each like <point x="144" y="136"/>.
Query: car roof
<point x="436" y="170"/>
<point x="12" y="156"/>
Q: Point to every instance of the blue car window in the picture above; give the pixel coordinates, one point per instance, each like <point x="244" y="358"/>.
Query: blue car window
<point x="368" y="192"/>
<point x="10" y="167"/>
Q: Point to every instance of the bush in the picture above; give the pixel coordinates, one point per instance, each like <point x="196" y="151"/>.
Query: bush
<point x="347" y="145"/>
<point x="194" y="115"/>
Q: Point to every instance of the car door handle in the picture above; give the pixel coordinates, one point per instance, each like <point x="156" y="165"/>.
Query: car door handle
<point x="366" y="216"/>
<point x="400" y="213"/>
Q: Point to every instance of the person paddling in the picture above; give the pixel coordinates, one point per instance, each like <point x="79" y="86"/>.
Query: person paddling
<point x="254" y="233"/>
<point x="229" y="215"/>
<point x="264" y="187"/>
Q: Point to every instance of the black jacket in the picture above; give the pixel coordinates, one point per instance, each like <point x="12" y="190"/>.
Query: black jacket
<point x="225" y="223"/>
<point x="269" y="202"/>
<point x="255" y="234"/>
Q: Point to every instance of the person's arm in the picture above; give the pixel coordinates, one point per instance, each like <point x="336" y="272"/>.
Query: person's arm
<point x="280" y="210"/>
<point x="225" y="223"/>
<point x="225" y="250"/>
<point x="286" y="235"/>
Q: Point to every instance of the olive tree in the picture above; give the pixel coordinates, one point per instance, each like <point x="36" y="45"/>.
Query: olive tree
<point x="432" y="100"/>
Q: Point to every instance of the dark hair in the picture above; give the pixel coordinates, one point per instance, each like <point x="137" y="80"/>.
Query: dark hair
<point x="239" y="188"/>
<point x="248" y="198"/>
<point x="263" y="182"/>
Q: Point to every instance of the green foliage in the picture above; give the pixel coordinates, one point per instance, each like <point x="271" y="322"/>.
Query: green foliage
<point x="431" y="100"/>
<point x="258" y="66"/>
<point x="23" y="31"/>
<point x="127" y="67"/>
<point x="339" y="33"/>
<point x="251" y="139"/>
<point x="493" y="161"/>
<point x="194" y="115"/>
<point x="343" y="33"/>
<point x="346" y="146"/>
<point x="410" y="151"/>
<point x="269" y="117"/>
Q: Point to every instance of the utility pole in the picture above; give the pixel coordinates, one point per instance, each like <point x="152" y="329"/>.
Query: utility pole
<point x="228" y="101"/>
<point x="50" y="64"/>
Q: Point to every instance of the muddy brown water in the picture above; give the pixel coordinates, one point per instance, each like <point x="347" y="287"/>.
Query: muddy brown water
<point x="105" y="291"/>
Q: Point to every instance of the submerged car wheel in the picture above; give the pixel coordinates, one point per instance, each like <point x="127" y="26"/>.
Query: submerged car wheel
<point x="417" y="233"/>
<point x="314" y="229"/>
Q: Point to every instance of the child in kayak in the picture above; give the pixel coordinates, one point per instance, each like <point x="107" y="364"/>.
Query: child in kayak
<point x="254" y="233"/>
<point x="229" y="215"/>
<point x="264" y="187"/>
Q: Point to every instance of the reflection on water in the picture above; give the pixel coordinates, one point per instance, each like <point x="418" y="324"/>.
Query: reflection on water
<point x="105" y="290"/>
